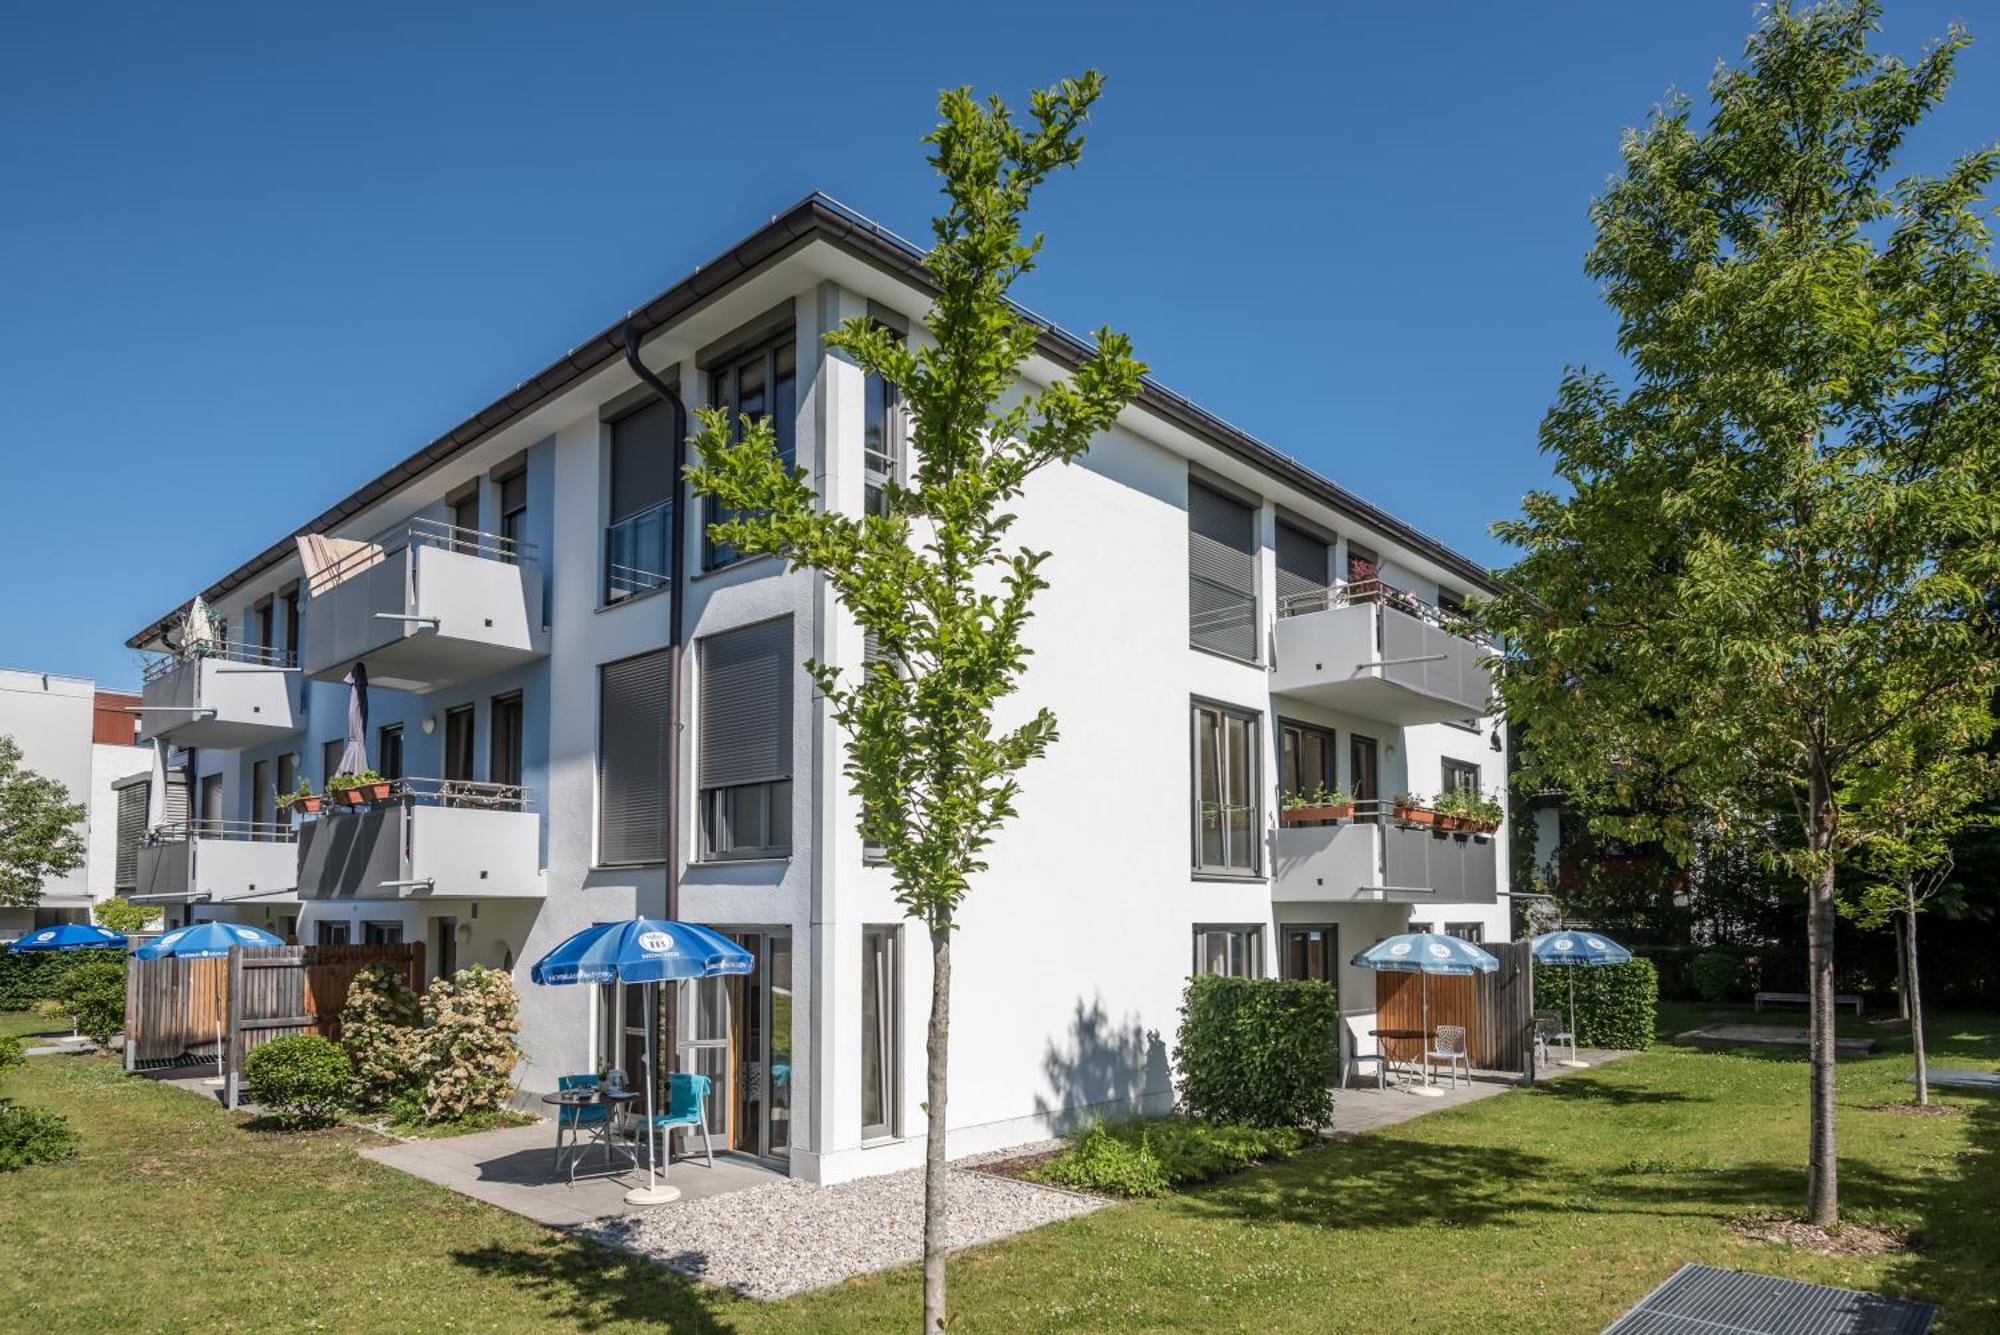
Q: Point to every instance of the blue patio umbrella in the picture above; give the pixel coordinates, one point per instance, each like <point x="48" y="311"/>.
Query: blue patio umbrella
<point x="207" y="941"/>
<point x="1425" y="953"/>
<point x="70" y="936"/>
<point x="647" y="951"/>
<point x="1572" y="949"/>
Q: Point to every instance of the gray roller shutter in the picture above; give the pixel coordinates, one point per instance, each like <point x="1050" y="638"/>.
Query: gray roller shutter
<point x="633" y="755"/>
<point x="1303" y="570"/>
<point x="746" y="705"/>
<point x="1222" y="573"/>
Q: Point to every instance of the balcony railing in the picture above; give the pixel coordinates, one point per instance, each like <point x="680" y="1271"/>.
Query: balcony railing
<point x="1369" y="648"/>
<point x="426" y="604"/>
<point x="430" y="839"/>
<point x="222" y="696"/>
<point x="637" y="553"/>
<point x="1373" y="859"/>
<point x="218" y="861"/>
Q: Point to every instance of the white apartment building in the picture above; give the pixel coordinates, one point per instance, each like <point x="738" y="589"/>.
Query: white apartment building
<point x="1223" y="625"/>
<point x="84" y="738"/>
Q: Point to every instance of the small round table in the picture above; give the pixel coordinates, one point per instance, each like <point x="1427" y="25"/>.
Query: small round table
<point x="612" y="1100"/>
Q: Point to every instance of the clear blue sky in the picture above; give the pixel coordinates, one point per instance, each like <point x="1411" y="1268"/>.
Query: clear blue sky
<point x="250" y="258"/>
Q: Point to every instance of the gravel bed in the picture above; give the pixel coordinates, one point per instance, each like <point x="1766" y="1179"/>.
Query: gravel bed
<point x="786" y="1237"/>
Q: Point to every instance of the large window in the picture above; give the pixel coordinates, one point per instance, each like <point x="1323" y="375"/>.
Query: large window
<point x="633" y="754"/>
<point x="1304" y="570"/>
<point x="881" y="1055"/>
<point x="759" y="383"/>
<point x="745" y="727"/>
<point x="1227" y="830"/>
<point x="1237" y="952"/>
<point x="638" y="542"/>
<point x="1222" y="573"/>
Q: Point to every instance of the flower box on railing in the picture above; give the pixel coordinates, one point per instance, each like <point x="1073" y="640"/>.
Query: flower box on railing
<point x="306" y="804"/>
<point x="1414" y="815"/>
<point x="1317" y="814"/>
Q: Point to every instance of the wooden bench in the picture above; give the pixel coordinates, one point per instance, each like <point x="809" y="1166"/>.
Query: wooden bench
<point x="1801" y="999"/>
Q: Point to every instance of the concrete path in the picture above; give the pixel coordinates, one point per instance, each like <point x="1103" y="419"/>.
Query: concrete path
<point x="1366" y="1108"/>
<point x="1780" y="1037"/>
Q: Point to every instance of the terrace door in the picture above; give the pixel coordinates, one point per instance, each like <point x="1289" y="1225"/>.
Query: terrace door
<point x="1312" y="952"/>
<point x="761" y="1123"/>
<point x="1363" y="775"/>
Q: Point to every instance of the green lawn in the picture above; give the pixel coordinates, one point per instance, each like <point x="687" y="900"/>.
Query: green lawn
<point x="25" y="1025"/>
<point x="1550" y="1210"/>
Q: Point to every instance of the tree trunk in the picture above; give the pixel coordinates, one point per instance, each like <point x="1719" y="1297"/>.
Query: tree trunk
<point x="1902" y="968"/>
<point x="934" y="1148"/>
<point x="1822" y="1180"/>
<point x="1916" y="994"/>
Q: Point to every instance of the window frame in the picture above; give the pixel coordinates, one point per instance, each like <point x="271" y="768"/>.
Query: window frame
<point x="1456" y="775"/>
<point x="1459" y="930"/>
<point x="1252" y="788"/>
<point x="716" y="804"/>
<point x="663" y="511"/>
<point x="882" y="969"/>
<point x="724" y="390"/>
<point x="1253" y="595"/>
<point x="657" y="853"/>
<point x="1329" y="751"/>
<point x="1250" y="934"/>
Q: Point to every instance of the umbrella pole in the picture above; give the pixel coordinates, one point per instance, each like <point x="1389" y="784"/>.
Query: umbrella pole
<point x="652" y="1193"/>
<point x="1426" y="1089"/>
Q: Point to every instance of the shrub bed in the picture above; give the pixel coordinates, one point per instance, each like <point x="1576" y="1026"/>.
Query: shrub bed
<point x="302" y="1079"/>
<point x="1615" y="1003"/>
<point x="33" y="1135"/>
<point x="1149" y="1158"/>
<point x="1258" y="1051"/>
<point x="93" y="994"/>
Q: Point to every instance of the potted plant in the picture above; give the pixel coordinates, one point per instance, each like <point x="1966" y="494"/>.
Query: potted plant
<point x="1451" y="810"/>
<point x="359" y="789"/>
<point x="302" y="798"/>
<point x="1484" y="814"/>
<point x="1412" y="809"/>
<point x="1321" y="804"/>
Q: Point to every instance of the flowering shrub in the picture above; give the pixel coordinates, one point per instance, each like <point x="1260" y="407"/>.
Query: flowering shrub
<point x="379" y="1030"/>
<point x="468" y="1044"/>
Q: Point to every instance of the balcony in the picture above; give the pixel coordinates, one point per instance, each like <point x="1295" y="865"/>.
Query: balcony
<point x="227" y="698"/>
<point x="1368" y="862"/>
<point x="218" y="862"/>
<point x="1373" y="650"/>
<point x="432" y="839"/>
<point x="427" y="606"/>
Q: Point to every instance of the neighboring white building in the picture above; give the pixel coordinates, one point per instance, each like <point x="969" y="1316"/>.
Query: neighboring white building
<point x="84" y="738"/>
<point x="1221" y="622"/>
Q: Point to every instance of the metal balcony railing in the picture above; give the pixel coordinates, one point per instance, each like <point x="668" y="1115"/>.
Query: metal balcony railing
<point x="252" y="831"/>
<point x="161" y="666"/>
<point x="636" y="552"/>
<point x="420" y="533"/>
<point x="1359" y="592"/>
<point x="459" y="793"/>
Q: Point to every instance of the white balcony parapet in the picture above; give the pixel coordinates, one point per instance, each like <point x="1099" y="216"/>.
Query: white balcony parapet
<point x="218" y="862"/>
<point x="224" y="697"/>
<point x="1370" y="649"/>
<point x="427" y="605"/>
<point x="432" y="839"/>
<point x="1382" y="862"/>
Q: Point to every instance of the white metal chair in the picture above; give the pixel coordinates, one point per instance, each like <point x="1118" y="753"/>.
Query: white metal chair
<point x="1449" y="1045"/>
<point x="1549" y="1031"/>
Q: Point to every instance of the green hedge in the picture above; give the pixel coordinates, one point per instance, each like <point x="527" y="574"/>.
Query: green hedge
<point x="1260" y="1051"/>
<point x="1614" y="1002"/>
<point x="29" y="976"/>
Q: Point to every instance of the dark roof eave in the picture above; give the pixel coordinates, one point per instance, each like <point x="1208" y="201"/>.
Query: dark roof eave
<point x="816" y="216"/>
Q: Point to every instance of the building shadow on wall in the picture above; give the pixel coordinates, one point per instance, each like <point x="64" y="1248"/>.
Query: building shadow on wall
<point x="1101" y="1067"/>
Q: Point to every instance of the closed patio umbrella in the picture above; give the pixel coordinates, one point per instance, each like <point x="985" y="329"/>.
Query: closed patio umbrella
<point x="354" y="757"/>
<point x="649" y="951"/>
<point x="1426" y="953"/>
<point x="1570" y="949"/>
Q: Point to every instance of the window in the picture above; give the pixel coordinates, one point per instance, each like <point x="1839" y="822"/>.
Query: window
<point x="330" y="933"/>
<point x="760" y="383"/>
<point x="389" y="751"/>
<point x="381" y="934"/>
<point x="881" y="443"/>
<point x="1304" y="562"/>
<point x="1222" y="574"/>
<point x="292" y="628"/>
<point x="881" y="1047"/>
<point x="633" y="752"/>
<point x="462" y="513"/>
<point x="1459" y="777"/>
<point x="1312" y="953"/>
<point x="329" y="760"/>
<point x="504" y="751"/>
<point x="289" y="928"/>
<point x="638" y="542"/>
<point x="458" y="725"/>
<point x="210" y="810"/>
<point x="1227" y="829"/>
<point x="745" y="727"/>
<point x="1363" y="777"/>
<point x="288" y="773"/>
<point x="1363" y="567"/>
<point x="1466" y="931"/>
<point x="1306" y="759"/>
<point x="1237" y="952"/>
<point x="513" y="510"/>
<point x="264" y="621"/>
<point x="263" y="799"/>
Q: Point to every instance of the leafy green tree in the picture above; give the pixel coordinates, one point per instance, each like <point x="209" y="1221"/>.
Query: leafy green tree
<point x="931" y="578"/>
<point x="1776" y="538"/>
<point x="41" y="830"/>
<point x="122" y="915"/>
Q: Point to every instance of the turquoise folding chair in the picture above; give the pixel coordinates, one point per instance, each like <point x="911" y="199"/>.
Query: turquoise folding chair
<point x="574" y="1120"/>
<point x="687" y="1109"/>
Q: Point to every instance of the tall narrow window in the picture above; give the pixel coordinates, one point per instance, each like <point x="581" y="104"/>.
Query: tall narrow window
<point x="1236" y="952"/>
<point x="504" y="762"/>
<point x="264" y="619"/>
<point x="462" y="513"/>
<point x="881" y="1056"/>
<point x="329" y="759"/>
<point x="211" y="804"/>
<point x="1227" y="829"/>
<point x="638" y="542"/>
<point x="288" y="773"/>
<point x="1222" y="574"/>
<point x="1312" y="953"/>
<point x="263" y="799"/>
<point x="1306" y="759"/>
<point x="745" y="727"/>
<point x="1363" y="775"/>
<point x="389" y="751"/>
<point x="292" y="626"/>
<point x="633" y="753"/>
<point x="458" y="724"/>
<point x="760" y="383"/>
<point x="513" y="512"/>
<point x="881" y="442"/>
<point x="1304" y="570"/>
<point x="1364" y="572"/>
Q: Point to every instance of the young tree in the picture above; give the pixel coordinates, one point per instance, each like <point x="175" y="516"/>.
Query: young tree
<point x="1920" y="796"/>
<point x="122" y="915"/>
<point x="41" y="830"/>
<point x="1777" y="538"/>
<point x="931" y="579"/>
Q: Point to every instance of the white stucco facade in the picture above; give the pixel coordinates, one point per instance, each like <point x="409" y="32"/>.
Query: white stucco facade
<point x="1074" y="947"/>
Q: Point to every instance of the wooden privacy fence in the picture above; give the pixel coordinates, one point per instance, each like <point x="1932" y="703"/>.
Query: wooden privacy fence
<point x="1497" y="1009"/>
<point x="180" y="1010"/>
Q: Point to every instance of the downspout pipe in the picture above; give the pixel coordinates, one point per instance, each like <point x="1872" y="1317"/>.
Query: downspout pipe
<point x="676" y="593"/>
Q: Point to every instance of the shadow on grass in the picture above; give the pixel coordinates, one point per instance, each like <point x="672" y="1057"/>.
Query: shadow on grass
<point x="589" y="1286"/>
<point x="1954" y="1264"/>
<point x="1584" y="1089"/>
